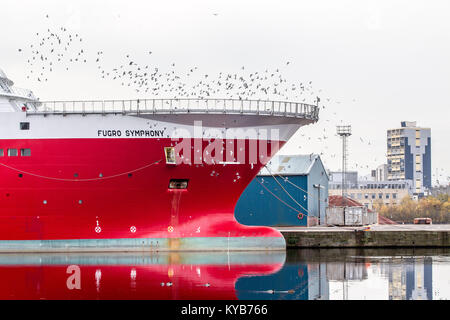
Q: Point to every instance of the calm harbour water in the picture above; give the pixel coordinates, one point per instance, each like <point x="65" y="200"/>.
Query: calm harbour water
<point x="303" y="274"/>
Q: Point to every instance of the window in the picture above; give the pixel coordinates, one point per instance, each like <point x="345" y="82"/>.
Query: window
<point x="25" y="152"/>
<point x="418" y="185"/>
<point x="178" y="184"/>
<point x="24" y="126"/>
<point x="394" y="196"/>
<point x="12" y="152"/>
<point x="1" y="152"/>
<point x="387" y="195"/>
<point x="380" y="196"/>
<point x="418" y="158"/>
<point x="418" y="163"/>
<point x="170" y="155"/>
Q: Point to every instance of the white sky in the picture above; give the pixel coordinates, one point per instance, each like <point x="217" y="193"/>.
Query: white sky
<point x="379" y="62"/>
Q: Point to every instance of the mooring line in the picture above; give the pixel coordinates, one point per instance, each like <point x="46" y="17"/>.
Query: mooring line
<point x="79" y="180"/>
<point x="280" y="199"/>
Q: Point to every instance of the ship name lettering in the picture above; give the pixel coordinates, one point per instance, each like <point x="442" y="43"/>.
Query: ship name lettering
<point x="144" y="133"/>
<point x="109" y="133"/>
<point x="130" y="133"/>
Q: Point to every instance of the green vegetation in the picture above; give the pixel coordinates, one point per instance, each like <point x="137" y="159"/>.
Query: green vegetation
<point x="436" y="208"/>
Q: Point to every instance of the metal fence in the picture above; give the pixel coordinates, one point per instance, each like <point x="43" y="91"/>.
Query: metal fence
<point x="169" y="106"/>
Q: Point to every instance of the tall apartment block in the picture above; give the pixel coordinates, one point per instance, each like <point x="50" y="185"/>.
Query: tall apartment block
<point x="409" y="155"/>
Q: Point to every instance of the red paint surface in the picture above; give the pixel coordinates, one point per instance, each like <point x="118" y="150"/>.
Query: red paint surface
<point x="193" y="282"/>
<point x="142" y="201"/>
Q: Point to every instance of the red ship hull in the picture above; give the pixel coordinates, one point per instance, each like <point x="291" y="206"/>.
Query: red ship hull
<point x="135" y="175"/>
<point x="109" y="189"/>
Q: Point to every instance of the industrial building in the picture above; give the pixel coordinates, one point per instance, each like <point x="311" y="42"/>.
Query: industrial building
<point x="409" y="156"/>
<point x="289" y="191"/>
<point x="370" y="192"/>
<point x="380" y="173"/>
<point x="351" y="179"/>
<point x="385" y="192"/>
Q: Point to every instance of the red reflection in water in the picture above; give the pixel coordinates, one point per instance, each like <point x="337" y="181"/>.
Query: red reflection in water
<point x="171" y="276"/>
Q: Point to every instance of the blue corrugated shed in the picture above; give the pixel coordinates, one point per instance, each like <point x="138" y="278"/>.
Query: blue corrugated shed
<point x="278" y="194"/>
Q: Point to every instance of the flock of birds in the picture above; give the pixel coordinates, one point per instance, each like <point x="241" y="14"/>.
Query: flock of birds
<point x="52" y="49"/>
<point x="192" y="83"/>
<point x="61" y="48"/>
<point x="64" y="49"/>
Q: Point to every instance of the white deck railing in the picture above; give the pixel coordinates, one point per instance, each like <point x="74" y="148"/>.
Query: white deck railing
<point x="180" y="106"/>
<point x="19" y="94"/>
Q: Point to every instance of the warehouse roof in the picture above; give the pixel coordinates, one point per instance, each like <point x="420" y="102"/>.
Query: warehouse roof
<point x="291" y="165"/>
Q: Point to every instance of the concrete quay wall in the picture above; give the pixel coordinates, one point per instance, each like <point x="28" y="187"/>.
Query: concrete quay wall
<point x="359" y="238"/>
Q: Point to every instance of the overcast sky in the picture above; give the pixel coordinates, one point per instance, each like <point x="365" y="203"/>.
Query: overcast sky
<point x="378" y="62"/>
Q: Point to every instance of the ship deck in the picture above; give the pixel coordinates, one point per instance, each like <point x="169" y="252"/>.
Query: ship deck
<point x="179" y="106"/>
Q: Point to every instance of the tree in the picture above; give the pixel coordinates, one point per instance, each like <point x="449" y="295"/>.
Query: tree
<point x="436" y="208"/>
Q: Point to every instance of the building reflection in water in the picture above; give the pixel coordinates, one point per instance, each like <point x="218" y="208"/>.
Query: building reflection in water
<point x="305" y="274"/>
<point x="303" y="277"/>
<point x="410" y="278"/>
<point x="348" y="274"/>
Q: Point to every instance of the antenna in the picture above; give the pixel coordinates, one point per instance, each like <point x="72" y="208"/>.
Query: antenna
<point x="344" y="132"/>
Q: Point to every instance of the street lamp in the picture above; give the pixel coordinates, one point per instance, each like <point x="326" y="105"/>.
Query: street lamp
<point x="318" y="186"/>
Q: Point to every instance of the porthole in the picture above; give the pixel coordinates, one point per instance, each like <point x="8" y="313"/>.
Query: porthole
<point x="24" y="126"/>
